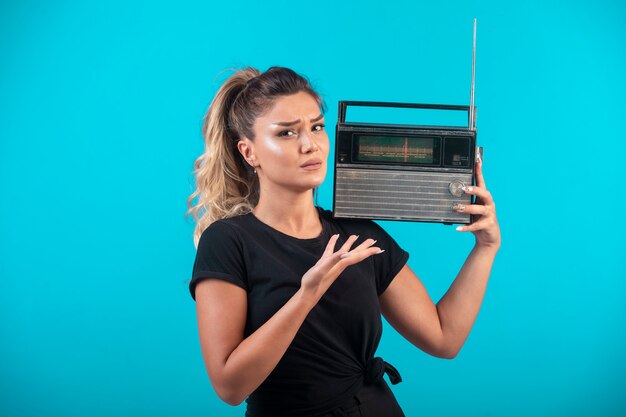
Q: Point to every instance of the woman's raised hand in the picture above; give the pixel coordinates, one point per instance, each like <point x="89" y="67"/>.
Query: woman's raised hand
<point x="320" y="277"/>
<point x="485" y="228"/>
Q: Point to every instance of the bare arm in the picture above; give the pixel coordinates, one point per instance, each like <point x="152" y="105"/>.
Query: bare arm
<point x="441" y="329"/>
<point x="459" y="307"/>
<point x="237" y="366"/>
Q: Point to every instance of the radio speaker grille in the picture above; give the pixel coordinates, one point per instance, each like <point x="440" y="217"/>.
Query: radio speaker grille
<point x="393" y="195"/>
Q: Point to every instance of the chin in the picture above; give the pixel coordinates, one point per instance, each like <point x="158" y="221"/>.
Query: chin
<point x="313" y="185"/>
<point x="305" y="182"/>
<point x="318" y="180"/>
<point x="309" y="185"/>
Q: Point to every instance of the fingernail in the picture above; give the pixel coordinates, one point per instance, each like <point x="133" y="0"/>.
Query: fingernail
<point x="459" y="228"/>
<point x="374" y="242"/>
<point x="345" y="255"/>
<point x="380" y="251"/>
<point x="468" y="189"/>
<point x="459" y="207"/>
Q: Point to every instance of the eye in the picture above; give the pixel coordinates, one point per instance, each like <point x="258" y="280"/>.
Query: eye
<point x="286" y="133"/>
<point x="318" y="128"/>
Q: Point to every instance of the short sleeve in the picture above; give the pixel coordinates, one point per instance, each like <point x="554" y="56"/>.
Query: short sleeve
<point x="389" y="263"/>
<point x="219" y="255"/>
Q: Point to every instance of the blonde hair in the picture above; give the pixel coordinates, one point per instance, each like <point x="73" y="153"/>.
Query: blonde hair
<point x="226" y="184"/>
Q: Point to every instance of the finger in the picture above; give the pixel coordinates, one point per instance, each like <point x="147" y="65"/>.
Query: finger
<point x="330" y="247"/>
<point x="480" y="180"/>
<point x="328" y="263"/>
<point x="346" y="246"/>
<point x="340" y="260"/>
<point x="481" y="224"/>
<point x="477" y="209"/>
<point x="355" y="256"/>
<point x="480" y="192"/>
<point x="363" y="246"/>
<point x="366" y="244"/>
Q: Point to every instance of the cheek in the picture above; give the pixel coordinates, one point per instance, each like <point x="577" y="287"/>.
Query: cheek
<point x="273" y="147"/>
<point x="325" y="143"/>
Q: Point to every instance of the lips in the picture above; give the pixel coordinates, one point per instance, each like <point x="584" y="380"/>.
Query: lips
<point x="311" y="163"/>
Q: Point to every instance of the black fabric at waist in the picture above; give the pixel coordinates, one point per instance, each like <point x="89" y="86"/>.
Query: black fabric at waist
<point x="373" y="373"/>
<point x="375" y="399"/>
<point x="377" y="367"/>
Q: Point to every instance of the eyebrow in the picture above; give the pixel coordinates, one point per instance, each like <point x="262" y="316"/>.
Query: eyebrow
<point x="296" y="121"/>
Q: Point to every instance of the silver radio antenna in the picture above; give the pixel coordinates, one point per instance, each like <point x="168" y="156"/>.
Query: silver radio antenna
<point x="472" y="121"/>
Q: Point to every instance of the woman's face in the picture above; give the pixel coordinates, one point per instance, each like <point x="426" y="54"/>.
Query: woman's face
<point x="291" y="145"/>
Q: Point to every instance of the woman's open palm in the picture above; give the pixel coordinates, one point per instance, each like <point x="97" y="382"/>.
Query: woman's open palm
<point x="320" y="277"/>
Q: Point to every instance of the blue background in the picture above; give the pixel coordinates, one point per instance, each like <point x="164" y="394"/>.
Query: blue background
<point x="101" y="106"/>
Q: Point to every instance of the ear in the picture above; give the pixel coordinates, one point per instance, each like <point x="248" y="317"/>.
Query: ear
<point x="246" y="147"/>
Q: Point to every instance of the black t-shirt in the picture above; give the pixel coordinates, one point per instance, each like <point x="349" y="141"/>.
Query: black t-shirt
<point x="325" y="363"/>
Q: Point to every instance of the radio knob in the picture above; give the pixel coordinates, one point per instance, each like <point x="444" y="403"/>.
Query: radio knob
<point x="456" y="188"/>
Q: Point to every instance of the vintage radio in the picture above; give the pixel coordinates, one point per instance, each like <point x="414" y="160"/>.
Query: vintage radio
<point x="405" y="172"/>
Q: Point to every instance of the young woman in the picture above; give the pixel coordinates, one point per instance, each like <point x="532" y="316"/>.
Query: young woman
<point x="289" y="299"/>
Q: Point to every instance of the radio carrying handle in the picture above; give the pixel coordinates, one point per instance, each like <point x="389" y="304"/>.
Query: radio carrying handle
<point x="343" y="105"/>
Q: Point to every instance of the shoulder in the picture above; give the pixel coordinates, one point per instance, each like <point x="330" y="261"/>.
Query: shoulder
<point x="229" y="228"/>
<point x="362" y="227"/>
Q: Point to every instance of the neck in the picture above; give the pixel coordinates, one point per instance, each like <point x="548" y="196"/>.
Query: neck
<point x="292" y="213"/>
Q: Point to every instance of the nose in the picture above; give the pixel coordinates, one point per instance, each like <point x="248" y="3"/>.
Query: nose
<point x="308" y="143"/>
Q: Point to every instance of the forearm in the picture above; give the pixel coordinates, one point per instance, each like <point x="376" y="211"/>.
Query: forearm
<point x="256" y="356"/>
<point x="459" y="307"/>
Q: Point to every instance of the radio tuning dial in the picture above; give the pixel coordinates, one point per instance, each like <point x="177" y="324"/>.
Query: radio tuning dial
<point x="456" y="188"/>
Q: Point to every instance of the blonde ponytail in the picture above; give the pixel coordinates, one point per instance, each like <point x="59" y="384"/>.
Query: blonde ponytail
<point x="226" y="184"/>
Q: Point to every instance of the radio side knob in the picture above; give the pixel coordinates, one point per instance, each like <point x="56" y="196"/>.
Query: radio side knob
<point x="456" y="188"/>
